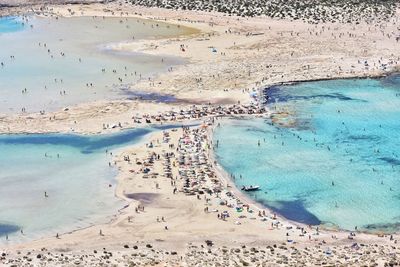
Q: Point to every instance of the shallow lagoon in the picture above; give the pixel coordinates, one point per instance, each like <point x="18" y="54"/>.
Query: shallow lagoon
<point x="10" y="24"/>
<point x="328" y="156"/>
<point x="67" y="54"/>
<point x="72" y="169"/>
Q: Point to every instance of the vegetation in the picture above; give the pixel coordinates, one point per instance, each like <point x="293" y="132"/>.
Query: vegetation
<point x="347" y="11"/>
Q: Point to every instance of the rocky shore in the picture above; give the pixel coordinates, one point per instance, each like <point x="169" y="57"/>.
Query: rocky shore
<point x="314" y="11"/>
<point x="13" y="7"/>
<point x="209" y="254"/>
<point x="28" y="3"/>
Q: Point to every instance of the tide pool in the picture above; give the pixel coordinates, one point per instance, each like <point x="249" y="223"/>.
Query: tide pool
<point x="329" y="154"/>
<point x="74" y="172"/>
<point x="50" y="63"/>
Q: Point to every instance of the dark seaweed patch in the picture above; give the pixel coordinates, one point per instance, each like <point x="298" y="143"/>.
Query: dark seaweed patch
<point x="276" y="96"/>
<point x="145" y="198"/>
<point x="87" y="144"/>
<point x="6" y="229"/>
<point x="295" y="211"/>
<point x="160" y="98"/>
<point x="384" y="227"/>
<point x="391" y="161"/>
<point x="373" y="138"/>
<point x="392" y="81"/>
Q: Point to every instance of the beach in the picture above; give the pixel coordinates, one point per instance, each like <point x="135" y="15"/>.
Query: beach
<point x="251" y="53"/>
<point x="160" y="220"/>
<point x="182" y="210"/>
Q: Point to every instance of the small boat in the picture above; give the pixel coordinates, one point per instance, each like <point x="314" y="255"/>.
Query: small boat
<point x="250" y="188"/>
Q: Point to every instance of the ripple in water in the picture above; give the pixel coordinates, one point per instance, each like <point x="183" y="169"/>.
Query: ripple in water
<point x="48" y="63"/>
<point x="72" y="169"/>
<point x="329" y="154"/>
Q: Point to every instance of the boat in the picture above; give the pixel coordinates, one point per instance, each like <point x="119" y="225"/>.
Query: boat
<point x="251" y="188"/>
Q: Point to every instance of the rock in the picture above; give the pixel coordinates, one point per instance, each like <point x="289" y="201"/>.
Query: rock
<point x="345" y="11"/>
<point x="245" y="263"/>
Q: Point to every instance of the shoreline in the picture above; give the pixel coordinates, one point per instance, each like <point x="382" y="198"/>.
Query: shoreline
<point x="188" y="225"/>
<point x="172" y="105"/>
<point x="221" y="173"/>
<point x="193" y="35"/>
<point x="230" y="184"/>
<point x="15" y="123"/>
<point x="125" y="212"/>
<point x="374" y="76"/>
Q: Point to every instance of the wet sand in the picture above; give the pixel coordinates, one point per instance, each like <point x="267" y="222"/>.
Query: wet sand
<point x="250" y="53"/>
<point x="192" y="215"/>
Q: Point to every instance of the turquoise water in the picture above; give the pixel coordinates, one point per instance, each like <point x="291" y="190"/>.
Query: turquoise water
<point x="10" y="24"/>
<point x="329" y="155"/>
<point x="78" y="56"/>
<point x="72" y="169"/>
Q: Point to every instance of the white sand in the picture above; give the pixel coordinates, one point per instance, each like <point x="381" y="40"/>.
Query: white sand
<point x="284" y="51"/>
